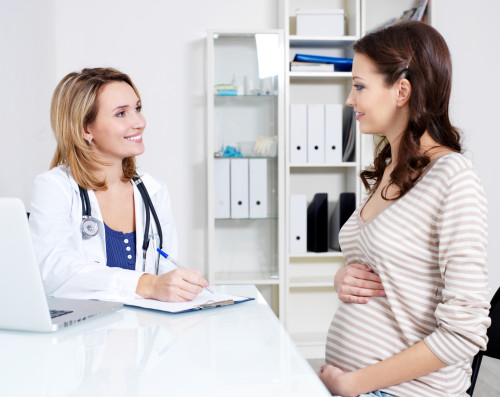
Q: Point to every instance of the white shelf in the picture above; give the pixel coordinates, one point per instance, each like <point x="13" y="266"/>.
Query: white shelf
<point x="319" y="41"/>
<point x="329" y="254"/>
<point x="320" y="75"/>
<point x="309" y="275"/>
<point x="247" y="96"/>
<point x="246" y="250"/>
<point x="349" y="164"/>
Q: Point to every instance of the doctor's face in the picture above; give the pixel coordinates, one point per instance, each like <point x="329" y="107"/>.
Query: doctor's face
<point x="117" y="129"/>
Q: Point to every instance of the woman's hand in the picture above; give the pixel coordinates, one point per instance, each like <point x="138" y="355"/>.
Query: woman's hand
<point x="335" y="380"/>
<point x="356" y="282"/>
<point x="178" y="285"/>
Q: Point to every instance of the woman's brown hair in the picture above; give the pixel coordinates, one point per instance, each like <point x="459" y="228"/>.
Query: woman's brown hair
<point x="74" y="106"/>
<point x="417" y="52"/>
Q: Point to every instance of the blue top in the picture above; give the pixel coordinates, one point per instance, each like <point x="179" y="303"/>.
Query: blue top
<point x="120" y="249"/>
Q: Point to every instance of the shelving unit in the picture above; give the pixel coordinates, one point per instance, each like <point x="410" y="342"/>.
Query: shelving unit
<point x="246" y="249"/>
<point x="310" y="300"/>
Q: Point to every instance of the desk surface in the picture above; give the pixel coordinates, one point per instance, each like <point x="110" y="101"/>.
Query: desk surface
<point x="239" y="350"/>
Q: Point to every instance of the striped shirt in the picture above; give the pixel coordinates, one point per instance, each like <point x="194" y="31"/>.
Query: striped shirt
<point x="429" y="249"/>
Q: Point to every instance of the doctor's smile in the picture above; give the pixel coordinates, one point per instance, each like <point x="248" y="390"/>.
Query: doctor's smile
<point x="134" y="138"/>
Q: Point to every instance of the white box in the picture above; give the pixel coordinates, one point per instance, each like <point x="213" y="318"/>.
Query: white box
<point x="315" y="133"/>
<point x="258" y="188"/>
<point x="239" y="188"/>
<point x="221" y="189"/>
<point x="298" y="133"/>
<point x="298" y="223"/>
<point x="320" y="23"/>
<point x="333" y="133"/>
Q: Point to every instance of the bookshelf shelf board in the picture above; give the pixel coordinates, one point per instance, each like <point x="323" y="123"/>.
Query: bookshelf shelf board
<point x="321" y="41"/>
<point x="318" y="75"/>
<point x="329" y="254"/>
<point x="349" y="164"/>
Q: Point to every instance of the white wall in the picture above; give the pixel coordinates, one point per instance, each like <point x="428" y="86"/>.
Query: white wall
<point x="160" y="44"/>
<point x="471" y="30"/>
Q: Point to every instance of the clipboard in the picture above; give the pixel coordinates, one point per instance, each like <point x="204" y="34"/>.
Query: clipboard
<point x="205" y="300"/>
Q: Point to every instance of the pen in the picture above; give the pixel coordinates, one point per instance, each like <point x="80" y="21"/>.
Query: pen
<point x="167" y="256"/>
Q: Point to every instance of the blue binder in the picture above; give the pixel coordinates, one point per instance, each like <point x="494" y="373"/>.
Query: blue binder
<point x="341" y="64"/>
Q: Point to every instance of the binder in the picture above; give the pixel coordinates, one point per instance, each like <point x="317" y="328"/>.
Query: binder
<point x="221" y="189"/>
<point x="342" y="212"/>
<point x="298" y="223"/>
<point x="239" y="188"/>
<point x="333" y="133"/>
<point x="316" y="133"/>
<point x="258" y="188"/>
<point x="317" y="223"/>
<point x="298" y="133"/>
<point x="205" y="300"/>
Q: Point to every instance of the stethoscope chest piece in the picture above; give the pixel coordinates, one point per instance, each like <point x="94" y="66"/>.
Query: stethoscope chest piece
<point x="90" y="226"/>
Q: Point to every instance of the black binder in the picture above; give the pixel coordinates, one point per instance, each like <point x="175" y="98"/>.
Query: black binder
<point x="342" y="212"/>
<point x="317" y="223"/>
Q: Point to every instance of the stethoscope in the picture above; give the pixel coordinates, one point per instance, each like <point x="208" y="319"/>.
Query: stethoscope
<point x="90" y="225"/>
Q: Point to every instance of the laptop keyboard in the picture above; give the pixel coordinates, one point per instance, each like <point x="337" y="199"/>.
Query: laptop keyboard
<point x="57" y="313"/>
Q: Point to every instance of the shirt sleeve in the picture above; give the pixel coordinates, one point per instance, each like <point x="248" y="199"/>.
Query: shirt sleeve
<point x="65" y="268"/>
<point x="462" y="315"/>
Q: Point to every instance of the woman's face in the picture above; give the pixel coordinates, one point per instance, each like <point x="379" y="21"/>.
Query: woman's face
<point x="117" y="130"/>
<point x="376" y="104"/>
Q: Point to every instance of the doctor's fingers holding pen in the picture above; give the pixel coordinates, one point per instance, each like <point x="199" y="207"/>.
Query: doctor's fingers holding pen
<point x="178" y="285"/>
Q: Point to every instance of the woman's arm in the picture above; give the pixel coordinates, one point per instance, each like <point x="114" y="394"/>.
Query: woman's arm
<point x="410" y="364"/>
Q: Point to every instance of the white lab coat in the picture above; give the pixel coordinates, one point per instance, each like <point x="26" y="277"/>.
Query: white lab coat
<point x="73" y="266"/>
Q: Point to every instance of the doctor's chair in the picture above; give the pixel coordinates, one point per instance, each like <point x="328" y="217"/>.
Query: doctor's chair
<point x="493" y="347"/>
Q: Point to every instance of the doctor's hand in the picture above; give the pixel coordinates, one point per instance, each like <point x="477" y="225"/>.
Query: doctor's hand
<point x="179" y="285"/>
<point x="356" y="282"/>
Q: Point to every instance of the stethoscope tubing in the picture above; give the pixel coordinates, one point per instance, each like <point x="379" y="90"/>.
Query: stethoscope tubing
<point x="149" y="207"/>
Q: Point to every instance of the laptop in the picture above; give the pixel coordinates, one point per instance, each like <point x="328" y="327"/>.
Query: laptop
<point x="23" y="303"/>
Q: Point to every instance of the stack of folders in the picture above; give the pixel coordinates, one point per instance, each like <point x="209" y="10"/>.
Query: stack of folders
<point x="320" y="134"/>
<point x="241" y="188"/>
<point x="310" y="229"/>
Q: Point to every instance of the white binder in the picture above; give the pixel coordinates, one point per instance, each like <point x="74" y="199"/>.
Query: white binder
<point x="298" y="223"/>
<point x="298" y="133"/>
<point x="258" y="188"/>
<point x="333" y="133"/>
<point x="239" y="188"/>
<point x="315" y="133"/>
<point x="221" y="189"/>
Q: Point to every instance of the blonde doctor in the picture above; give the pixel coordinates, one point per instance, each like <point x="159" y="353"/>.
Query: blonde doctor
<point x="92" y="211"/>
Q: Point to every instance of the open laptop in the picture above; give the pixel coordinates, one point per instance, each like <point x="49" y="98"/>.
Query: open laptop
<point x="23" y="303"/>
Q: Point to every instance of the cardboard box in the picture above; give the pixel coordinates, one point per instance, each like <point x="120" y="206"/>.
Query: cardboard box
<point x="320" y="22"/>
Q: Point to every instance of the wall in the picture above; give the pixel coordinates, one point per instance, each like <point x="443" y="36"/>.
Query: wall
<point x="471" y="31"/>
<point x="160" y="44"/>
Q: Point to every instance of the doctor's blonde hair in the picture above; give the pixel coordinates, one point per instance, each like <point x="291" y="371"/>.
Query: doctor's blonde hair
<point x="74" y="106"/>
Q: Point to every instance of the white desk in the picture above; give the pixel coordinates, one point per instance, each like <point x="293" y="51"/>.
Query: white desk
<point x="234" y="351"/>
